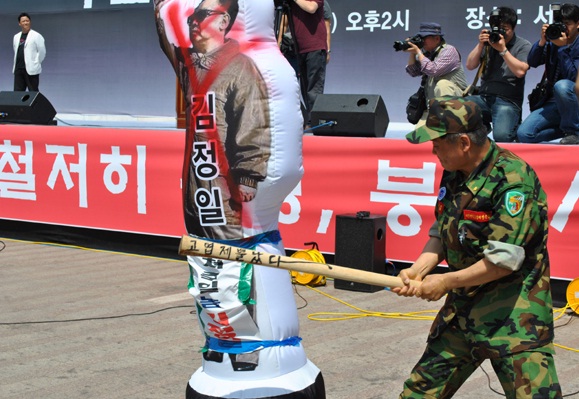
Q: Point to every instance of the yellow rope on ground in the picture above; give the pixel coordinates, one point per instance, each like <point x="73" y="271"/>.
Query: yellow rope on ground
<point x="420" y="315"/>
<point x="567" y="348"/>
<point x="52" y="244"/>
<point x="334" y="316"/>
<point x="561" y="311"/>
<point x="318" y="316"/>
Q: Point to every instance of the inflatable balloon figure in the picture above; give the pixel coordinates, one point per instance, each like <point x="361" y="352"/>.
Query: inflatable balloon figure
<point x="242" y="158"/>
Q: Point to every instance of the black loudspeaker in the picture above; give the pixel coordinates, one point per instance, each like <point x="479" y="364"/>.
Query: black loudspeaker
<point x="361" y="245"/>
<point x="25" y="107"/>
<point x="353" y="115"/>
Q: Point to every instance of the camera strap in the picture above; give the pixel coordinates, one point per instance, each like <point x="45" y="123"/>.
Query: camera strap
<point x="552" y="76"/>
<point x="423" y="81"/>
<point x="479" y="72"/>
<point x="431" y="56"/>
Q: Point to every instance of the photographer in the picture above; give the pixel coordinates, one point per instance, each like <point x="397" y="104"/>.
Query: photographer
<point x="438" y="61"/>
<point x="503" y="79"/>
<point x="558" y="49"/>
<point x="311" y="39"/>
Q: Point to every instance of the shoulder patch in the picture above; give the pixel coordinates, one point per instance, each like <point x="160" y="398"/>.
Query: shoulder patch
<point x="441" y="193"/>
<point x="514" y="202"/>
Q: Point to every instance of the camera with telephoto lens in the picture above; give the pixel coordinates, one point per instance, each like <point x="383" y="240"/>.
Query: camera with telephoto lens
<point x="556" y="29"/>
<point x="400" y="45"/>
<point x="496" y="30"/>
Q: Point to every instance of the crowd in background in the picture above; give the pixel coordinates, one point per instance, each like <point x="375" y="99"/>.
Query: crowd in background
<point x="503" y="59"/>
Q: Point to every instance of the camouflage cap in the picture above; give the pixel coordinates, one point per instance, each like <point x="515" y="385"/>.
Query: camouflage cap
<point x="448" y="115"/>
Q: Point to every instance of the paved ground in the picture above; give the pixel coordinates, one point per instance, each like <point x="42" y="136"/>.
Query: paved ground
<point x="79" y="323"/>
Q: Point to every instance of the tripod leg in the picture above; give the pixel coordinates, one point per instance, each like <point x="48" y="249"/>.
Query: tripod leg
<point x="282" y="28"/>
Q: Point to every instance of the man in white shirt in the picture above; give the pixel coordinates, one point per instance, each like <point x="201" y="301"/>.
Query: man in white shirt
<point x="29" y="52"/>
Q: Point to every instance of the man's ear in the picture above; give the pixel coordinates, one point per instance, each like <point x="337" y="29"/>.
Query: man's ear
<point x="226" y="18"/>
<point x="465" y="142"/>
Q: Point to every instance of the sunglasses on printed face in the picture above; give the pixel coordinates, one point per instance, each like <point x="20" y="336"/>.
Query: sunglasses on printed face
<point x="202" y="14"/>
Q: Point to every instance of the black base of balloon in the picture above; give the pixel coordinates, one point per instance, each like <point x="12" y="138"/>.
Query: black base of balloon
<point x="315" y="391"/>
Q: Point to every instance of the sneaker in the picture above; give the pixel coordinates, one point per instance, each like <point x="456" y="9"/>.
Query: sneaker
<point x="570" y="138"/>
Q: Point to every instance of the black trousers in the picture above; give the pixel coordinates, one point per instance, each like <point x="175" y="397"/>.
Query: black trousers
<point x="23" y="80"/>
<point x="312" y="68"/>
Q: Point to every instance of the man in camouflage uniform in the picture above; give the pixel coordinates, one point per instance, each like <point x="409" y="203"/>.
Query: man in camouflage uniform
<point x="491" y="228"/>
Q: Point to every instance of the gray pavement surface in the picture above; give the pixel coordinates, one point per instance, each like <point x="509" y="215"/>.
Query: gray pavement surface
<point x="78" y="323"/>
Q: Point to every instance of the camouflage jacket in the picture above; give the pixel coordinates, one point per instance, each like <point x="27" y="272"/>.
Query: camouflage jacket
<point x="500" y="203"/>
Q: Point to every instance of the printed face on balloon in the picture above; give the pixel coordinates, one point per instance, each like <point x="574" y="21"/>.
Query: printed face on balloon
<point x="207" y="25"/>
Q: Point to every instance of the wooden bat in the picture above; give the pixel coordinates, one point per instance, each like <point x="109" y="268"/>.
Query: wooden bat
<point x="208" y="249"/>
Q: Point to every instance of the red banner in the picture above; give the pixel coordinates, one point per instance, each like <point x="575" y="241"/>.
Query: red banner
<point x="130" y="180"/>
<point x="111" y="179"/>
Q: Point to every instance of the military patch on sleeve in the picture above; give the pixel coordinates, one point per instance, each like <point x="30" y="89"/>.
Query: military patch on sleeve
<point x="514" y="202"/>
<point x="482" y="217"/>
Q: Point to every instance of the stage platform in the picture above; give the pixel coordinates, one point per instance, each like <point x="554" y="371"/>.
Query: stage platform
<point x="96" y="324"/>
<point x="116" y="121"/>
<point x="396" y="130"/>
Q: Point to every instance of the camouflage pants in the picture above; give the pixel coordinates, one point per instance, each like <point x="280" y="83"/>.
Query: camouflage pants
<point x="450" y="359"/>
